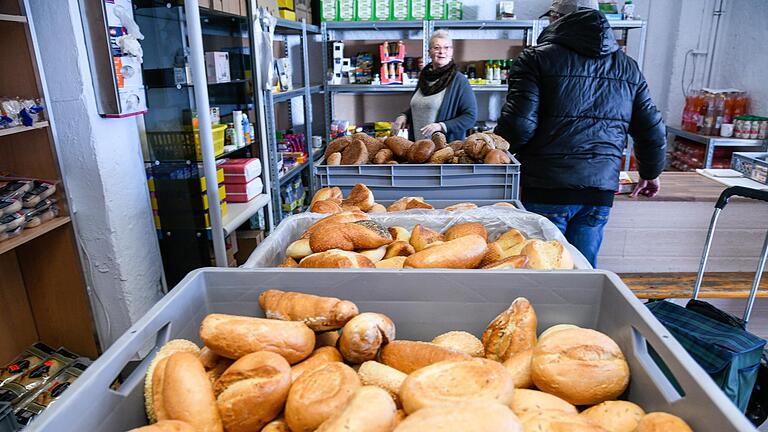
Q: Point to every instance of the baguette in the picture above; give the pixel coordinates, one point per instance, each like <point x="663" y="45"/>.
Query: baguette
<point x="465" y="229"/>
<point x="318" y="313"/>
<point x="172" y="347"/>
<point x="350" y="236"/>
<point x="462" y="253"/>
<point x="381" y="375"/>
<point x="408" y="356"/>
<point x="186" y="394"/>
<point x="344" y="217"/>
<point x="360" y="196"/>
<point x="319" y="357"/>
<point x="335" y="258"/>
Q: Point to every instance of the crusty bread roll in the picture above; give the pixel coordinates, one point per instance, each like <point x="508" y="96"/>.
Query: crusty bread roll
<point x="400" y="415"/>
<point x="497" y="157"/>
<point x="383" y="156"/>
<point x="364" y="335"/>
<point x="234" y="336"/>
<point x="365" y="234"/>
<point x="344" y="217"/>
<point x="417" y="204"/>
<point x="440" y="140"/>
<point x="547" y="255"/>
<point x="398" y="145"/>
<point x="461" y="206"/>
<point x="399" y="248"/>
<point x="166" y="426"/>
<point x="381" y="375"/>
<point x="157" y="404"/>
<point x="408" y="356"/>
<point x="510" y="238"/>
<point x="505" y="204"/>
<point x="662" y="422"/>
<point x="319" y="357"/>
<point x="360" y="196"/>
<point x="329" y="338"/>
<point x="470" y="416"/>
<point x="420" y="151"/>
<point x="473" y="379"/>
<point x="356" y="153"/>
<point x="391" y="263"/>
<point x="375" y="255"/>
<point x="277" y="425"/>
<point x="319" y="394"/>
<point x="422" y="236"/>
<point x="505" y="246"/>
<point x="332" y="194"/>
<point x="370" y="409"/>
<point x="338" y="145"/>
<point x="187" y="395"/>
<point x="500" y="142"/>
<point x="377" y="208"/>
<point x="298" y="249"/>
<point x="456" y="145"/>
<point x="615" y="416"/>
<point x="463" y="253"/>
<point x="172" y="347"/>
<point x="336" y="258"/>
<point x="318" y="313"/>
<point x="513" y="262"/>
<point x="325" y="206"/>
<point x="441" y="156"/>
<point x="289" y="262"/>
<point x="461" y="341"/>
<point x="334" y="159"/>
<point x="350" y="208"/>
<point x="399" y="234"/>
<point x="582" y="366"/>
<point x="557" y="421"/>
<point x="478" y="145"/>
<point x="556" y="328"/>
<point x="214" y="364"/>
<point x="532" y="401"/>
<point x="511" y="332"/>
<point x="252" y="392"/>
<point x="465" y="229"/>
<point x="519" y="365"/>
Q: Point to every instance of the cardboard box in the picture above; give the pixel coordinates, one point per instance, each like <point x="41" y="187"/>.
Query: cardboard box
<point x="304" y="12"/>
<point x="231" y="6"/>
<point x="217" y="5"/>
<point x="270" y="5"/>
<point x="329" y="10"/>
<point x="247" y="241"/>
<point x="205" y="4"/>
<point x="217" y="67"/>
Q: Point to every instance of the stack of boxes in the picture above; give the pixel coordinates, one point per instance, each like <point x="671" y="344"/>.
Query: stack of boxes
<point x="341" y="65"/>
<point x="390" y="10"/>
<point x="182" y="176"/>
<point x="392" y="56"/>
<point x="242" y="179"/>
<point x="287" y="9"/>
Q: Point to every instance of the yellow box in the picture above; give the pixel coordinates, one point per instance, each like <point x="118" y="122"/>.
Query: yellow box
<point x="224" y="212"/>
<point x="222" y="196"/>
<point x="218" y="141"/>
<point x="286" y="4"/>
<point x="289" y="15"/>
<point x="219" y="179"/>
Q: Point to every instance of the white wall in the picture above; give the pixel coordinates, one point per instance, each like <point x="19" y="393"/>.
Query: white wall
<point x="103" y="174"/>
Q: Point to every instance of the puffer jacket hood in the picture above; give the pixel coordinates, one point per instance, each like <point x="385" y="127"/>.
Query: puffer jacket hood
<point x="586" y="32"/>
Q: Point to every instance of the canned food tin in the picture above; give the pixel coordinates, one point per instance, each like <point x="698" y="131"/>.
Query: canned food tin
<point x="754" y="129"/>
<point x="763" y="132"/>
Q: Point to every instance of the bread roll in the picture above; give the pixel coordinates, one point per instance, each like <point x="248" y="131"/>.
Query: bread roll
<point x="370" y="409"/>
<point x="441" y="156"/>
<point x="422" y="236"/>
<point x="338" y="145"/>
<point x="278" y="425"/>
<point x="469" y="416"/>
<point x="557" y="421"/>
<point x="375" y="255"/>
<point x="399" y="234"/>
<point x="360" y="196"/>
<point x="372" y="144"/>
<point x="157" y="404"/>
<point x="356" y="153"/>
<point x="532" y="401"/>
<point x="556" y="328"/>
<point x="474" y="379"/>
<point x="463" y="253"/>
<point x="519" y="365"/>
<point x="332" y="194"/>
<point x="172" y="347"/>
<point x="350" y="236"/>
<point x="214" y="364"/>
<point x="456" y="145"/>
<point x="252" y="392"/>
<point x="582" y="366"/>
<point x="478" y="145"/>
<point x="326" y="206"/>
<point x="381" y="375"/>
<point x="500" y="142"/>
<point x="334" y="159"/>
<point x="186" y="394"/>
<point x="298" y="249"/>
<point x="400" y="415"/>
<point x="383" y="156"/>
<point x="461" y="206"/>
<point x="464" y="229"/>
<point x="440" y="140"/>
<point x="335" y="258"/>
<point x="461" y="341"/>
<point x="511" y="332"/>
<point x="391" y="263"/>
<point x="504" y="204"/>
<point x="364" y="335"/>
<point x="350" y="208"/>
<point x="319" y="394"/>
<point x="547" y="255"/>
<point x="408" y="356"/>
<point x="513" y="262"/>
<point x="334" y="219"/>
<point x="417" y="204"/>
<point x="166" y="426"/>
<point x="406" y="203"/>
<point x="615" y="416"/>
<point x="497" y="157"/>
<point x="399" y="248"/>
<point x="662" y="422"/>
<point x="288" y="262"/>
<point x="318" y="313"/>
<point x="420" y="151"/>
<point x="234" y="336"/>
<point x="319" y="357"/>
<point x="377" y="208"/>
<point x="328" y="338"/>
<point x="504" y="246"/>
<point x="398" y="145"/>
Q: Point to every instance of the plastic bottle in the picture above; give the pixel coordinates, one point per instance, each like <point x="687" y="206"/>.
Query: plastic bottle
<point x="686" y="119"/>
<point x="497" y="70"/>
<point x="719" y="109"/>
<point x="489" y="70"/>
<point x="709" y="118"/>
<point x="629" y="10"/>
<point x="237" y="119"/>
<point x="246" y="130"/>
<point x="702" y="113"/>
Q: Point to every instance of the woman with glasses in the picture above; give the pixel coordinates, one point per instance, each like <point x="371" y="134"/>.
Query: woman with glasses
<point x="443" y="101"/>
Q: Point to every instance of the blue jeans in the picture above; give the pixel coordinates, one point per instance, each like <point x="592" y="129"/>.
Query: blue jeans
<point x="582" y="225"/>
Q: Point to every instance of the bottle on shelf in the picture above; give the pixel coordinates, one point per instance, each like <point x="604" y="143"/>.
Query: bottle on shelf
<point x="719" y="109"/>
<point x="701" y="113"/>
<point x="728" y="107"/>
<point x="629" y="10"/>
<point x="708" y="126"/>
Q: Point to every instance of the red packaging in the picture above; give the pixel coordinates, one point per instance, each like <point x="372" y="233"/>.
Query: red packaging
<point x="241" y="171"/>
<point x="244" y="192"/>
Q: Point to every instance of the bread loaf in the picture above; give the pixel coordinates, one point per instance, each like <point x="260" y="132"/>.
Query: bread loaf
<point x="478" y="145"/>
<point x="334" y="159"/>
<point x="319" y="394"/>
<point x="350" y="236"/>
<point x="519" y="365"/>
<point x="465" y="229"/>
<point x="461" y="341"/>
<point x="662" y="422"/>
<point x="399" y="234"/>
<point x="462" y="417"/>
<point x="234" y="336"/>
<point x="298" y="249"/>
<point x="558" y="421"/>
<point x="402" y="203"/>
<point x="463" y="253"/>
<point x="186" y="394"/>
<point x="497" y="157"/>
<point x="288" y="262"/>
<point x="328" y="338"/>
<point x="325" y="207"/>
<point x="454" y="381"/>
<point x="547" y="255"/>
<point x="318" y="313"/>
<point x="157" y="404"/>
<point x="252" y="392"/>
<point x="399" y="248"/>
<point x="378" y="374"/>
<point x="408" y="356"/>
<point x="172" y="347"/>
<point x="319" y="357"/>
<point x="440" y="140"/>
<point x="278" y="425"/>
<point x="332" y="194"/>
<point x="391" y="263"/>
<point x="529" y="402"/>
<point x="360" y="196"/>
<point x="504" y="246"/>
<point x="398" y="145"/>
<point x="498" y="141"/>
<point x="377" y="208"/>
<point x="505" y="204"/>
<point x="421" y="236"/>
<point x="383" y="156"/>
<point x="555" y="329"/>
<point x="364" y="335"/>
<point x="332" y="219"/>
<point x="461" y="206"/>
<point x="420" y="151"/>
<point x="375" y="255"/>
<point x="456" y="145"/>
<point x="511" y="332"/>
<point x="336" y="259"/>
<point x="513" y="262"/>
<point x="338" y="145"/>
<point x="441" y="156"/>
<point x="166" y="426"/>
<point x="615" y="416"/>
<point x="582" y="366"/>
<point x="356" y="153"/>
<point x="370" y="409"/>
<point x="371" y="144"/>
<point x="417" y="204"/>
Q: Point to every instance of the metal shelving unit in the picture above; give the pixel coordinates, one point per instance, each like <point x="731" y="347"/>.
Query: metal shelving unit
<point x="712" y="142"/>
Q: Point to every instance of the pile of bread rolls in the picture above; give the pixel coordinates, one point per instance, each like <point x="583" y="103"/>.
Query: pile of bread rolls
<point x="294" y="371"/>
<point x="361" y="149"/>
<point x="330" y="200"/>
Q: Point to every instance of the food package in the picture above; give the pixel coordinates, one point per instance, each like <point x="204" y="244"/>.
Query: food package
<point x="42" y="399"/>
<point x="418" y="10"/>
<point x="328" y="10"/>
<point x="346" y="10"/>
<point x="382" y="10"/>
<point x="31" y="357"/>
<point x="437" y="10"/>
<point x="364" y="10"/>
<point x="34" y="378"/>
<point x="496" y="220"/>
<point x="400" y="10"/>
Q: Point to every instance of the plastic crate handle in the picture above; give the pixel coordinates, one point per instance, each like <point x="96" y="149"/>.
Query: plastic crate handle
<point x="741" y="191"/>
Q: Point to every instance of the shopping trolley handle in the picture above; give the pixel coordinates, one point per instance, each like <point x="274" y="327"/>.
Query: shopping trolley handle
<point x="741" y="191"/>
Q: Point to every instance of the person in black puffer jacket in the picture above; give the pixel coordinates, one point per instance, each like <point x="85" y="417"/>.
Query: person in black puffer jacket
<point x="572" y="101"/>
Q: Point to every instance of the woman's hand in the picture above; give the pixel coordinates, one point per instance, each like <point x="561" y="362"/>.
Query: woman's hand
<point x="430" y="129"/>
<point x="399" y="123"/>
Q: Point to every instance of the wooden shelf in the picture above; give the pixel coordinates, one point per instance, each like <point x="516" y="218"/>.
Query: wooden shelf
<point x="13" y="18"/>
<point x="33" y="233"/>
<point x="19" y="129"/>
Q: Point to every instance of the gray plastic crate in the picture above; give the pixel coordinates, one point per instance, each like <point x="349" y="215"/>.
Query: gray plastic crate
<point x="422" y="305"/>
<point x="441" y="204"/>
<point x="753" y="165"/>
<point x="437" y="182"/>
